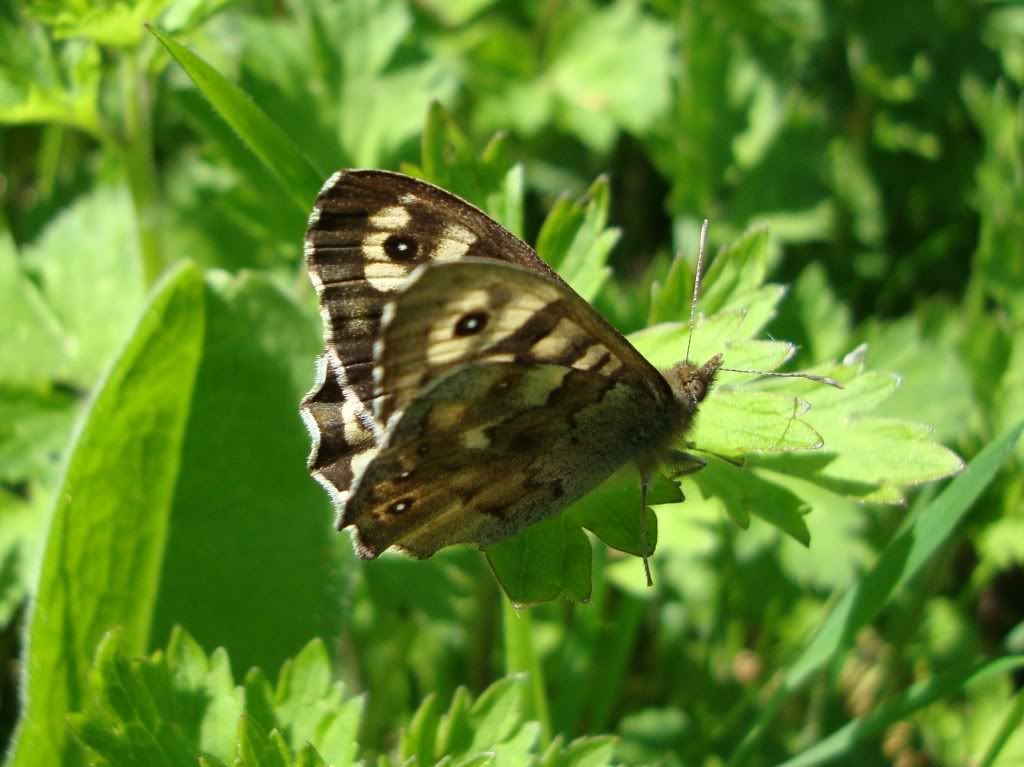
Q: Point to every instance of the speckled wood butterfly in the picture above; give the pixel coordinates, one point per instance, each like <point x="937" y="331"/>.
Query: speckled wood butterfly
<point x="465" y="391"/>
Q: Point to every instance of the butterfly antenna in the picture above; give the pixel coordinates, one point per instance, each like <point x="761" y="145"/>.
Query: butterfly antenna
<point x="696" y="284"/>
<point x="643" y="527"/>
<point x="809" y="376"/>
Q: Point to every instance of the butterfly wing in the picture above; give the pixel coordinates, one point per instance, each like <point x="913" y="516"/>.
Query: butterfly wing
<point x="491" y="448"/>
<point x="507" y="397"/>
<point x="474" y="311"/>
<point x="368" y="230"/>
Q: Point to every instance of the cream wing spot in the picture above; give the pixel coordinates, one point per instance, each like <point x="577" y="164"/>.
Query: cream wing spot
<point x="557" y="341"/>
<point x="454" y="243"/>
<point x="591" y="357"/>
<point x="393" y="218"/>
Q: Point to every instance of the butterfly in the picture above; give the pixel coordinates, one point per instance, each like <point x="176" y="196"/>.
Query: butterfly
<point x="465" y="391"/>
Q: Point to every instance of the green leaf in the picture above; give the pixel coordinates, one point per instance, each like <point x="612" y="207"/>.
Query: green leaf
<point x="738" y="422"/>
<point x="670" y="299"/>
<point x="32" y="351"/>
<point x="298" y="178"/>
<point x="597" y="67"/>
<point x="166" y="708"/>
<point x="743" y="492"/>
<point x="89" y="274"/>
<point x="113" y="507"/>
<point x="904" y="556"/>
<point x="575" y="242"/>
<point x="543" y="561"/>
<point x="450" y="161"/>
<point x="947" y="685"/>
<point x="610" y="509"/>
<point x="38" y="86"/>
<point x="108" y="22"/>
<point x="234" y="516"/>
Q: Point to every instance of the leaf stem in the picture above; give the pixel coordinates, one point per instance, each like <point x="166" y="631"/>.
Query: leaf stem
<point x="137" y="150"/>
<point x="520" y="656"/>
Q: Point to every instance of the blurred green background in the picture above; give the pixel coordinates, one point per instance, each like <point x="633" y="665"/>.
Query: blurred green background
<point x="152" y="460"/>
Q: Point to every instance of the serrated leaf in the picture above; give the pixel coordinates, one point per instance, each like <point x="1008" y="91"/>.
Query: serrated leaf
<point x="38" y="86"/>
<point x="575" y="242"/>
<point x="611" y="510"/>
<point x="543" y="561"/>
<point x="670" y="298"/>
<point x="596" y="68"/>
<point x="109" y="22"/>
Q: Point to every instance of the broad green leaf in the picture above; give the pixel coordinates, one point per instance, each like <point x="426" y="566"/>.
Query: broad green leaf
<point x="142" y="711"/>
<point x="113" y="508"/>
<point x="543" y="561"/>
<point x="298" y="178"/>
<point x="743" y="492"/>
<point x="737" y="422"/>
<point x="246" y="514"/>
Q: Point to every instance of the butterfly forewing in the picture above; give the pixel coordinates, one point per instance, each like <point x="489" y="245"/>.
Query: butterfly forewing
<point x="368" y="231"/>
<point x="473" y="312"/>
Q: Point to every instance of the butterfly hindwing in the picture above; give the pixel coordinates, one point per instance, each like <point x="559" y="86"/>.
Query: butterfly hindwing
<point x="473" y="312"/>
<point x="492" y="448"/>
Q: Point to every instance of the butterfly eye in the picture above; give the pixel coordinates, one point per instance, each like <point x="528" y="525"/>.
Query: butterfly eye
<point x="399" y="247"/>
<point x="400" y="507"/>
<point x="470" y="324"/>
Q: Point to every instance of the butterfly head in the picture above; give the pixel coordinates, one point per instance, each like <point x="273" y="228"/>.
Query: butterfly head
<point x="691" y="383"/>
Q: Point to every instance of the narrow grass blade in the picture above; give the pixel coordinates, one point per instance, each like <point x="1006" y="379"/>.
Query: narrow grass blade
<point x="839" y="743"/>
<point x="915" y="543"/>
<point x="261" y="134"/>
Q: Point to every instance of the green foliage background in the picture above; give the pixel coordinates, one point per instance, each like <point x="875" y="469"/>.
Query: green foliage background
<point x="862" y="164"/>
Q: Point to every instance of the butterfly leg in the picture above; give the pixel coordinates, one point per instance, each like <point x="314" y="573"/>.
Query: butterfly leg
<point x="681" y="464"/>
<point x="738" y="462"/>
<point x="644" y="481"/>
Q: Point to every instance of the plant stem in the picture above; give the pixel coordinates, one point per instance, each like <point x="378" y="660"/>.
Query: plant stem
<point x="137" y="146"/>
<point x="520" y="656"/>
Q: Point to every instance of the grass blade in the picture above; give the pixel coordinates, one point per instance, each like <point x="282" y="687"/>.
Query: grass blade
<point x="918" y="539"/>
<point x="261" y="134"/>
<point x="920" y="695"/>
